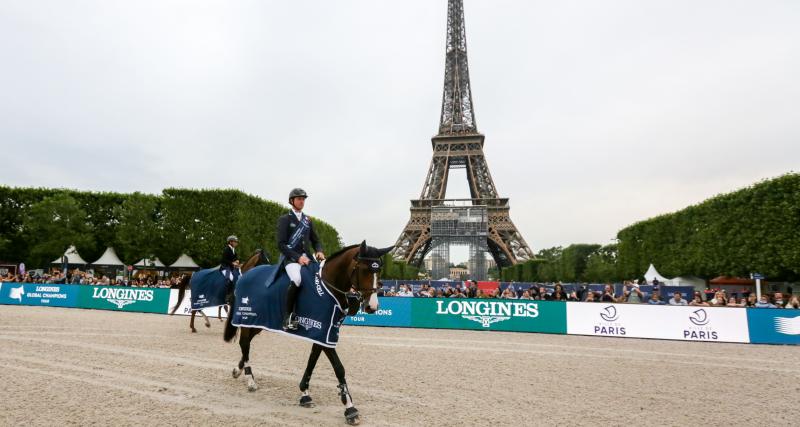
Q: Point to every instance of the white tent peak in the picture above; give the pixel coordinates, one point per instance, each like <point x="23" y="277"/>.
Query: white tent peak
<point x="109" y="257"/>
<point x="72" y="257"/>
<point x="184" y="261"/>
<point x="147" y="262"/>
<point x="652" y="273"/>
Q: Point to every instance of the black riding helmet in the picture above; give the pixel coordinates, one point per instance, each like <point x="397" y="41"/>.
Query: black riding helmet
<point x="297" y="192"/>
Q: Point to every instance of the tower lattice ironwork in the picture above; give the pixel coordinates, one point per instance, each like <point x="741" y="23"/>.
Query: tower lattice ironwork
<point x="459" y="145"/>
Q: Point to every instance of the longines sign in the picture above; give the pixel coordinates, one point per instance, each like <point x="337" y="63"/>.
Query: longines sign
<point x="497" y="315"/>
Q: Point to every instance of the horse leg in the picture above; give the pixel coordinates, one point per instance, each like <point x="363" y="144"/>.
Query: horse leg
<point x="246" y="335"/>
<point x="208" y="324"/>
<point x="350" y="412"/>
<point x="191" y="322"/>
<point x="305" y="398"/>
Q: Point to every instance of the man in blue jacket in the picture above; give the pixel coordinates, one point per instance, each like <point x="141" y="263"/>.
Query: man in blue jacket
<point x="294" y="229"/>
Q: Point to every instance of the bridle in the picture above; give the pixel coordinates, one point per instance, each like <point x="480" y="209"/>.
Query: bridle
<point x="355" y="299"/>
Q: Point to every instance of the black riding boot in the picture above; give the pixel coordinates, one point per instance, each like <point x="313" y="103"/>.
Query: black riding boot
<point x="289" y="322"/>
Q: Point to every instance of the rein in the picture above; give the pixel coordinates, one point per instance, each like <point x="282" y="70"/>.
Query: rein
<point x="354" y="300"/>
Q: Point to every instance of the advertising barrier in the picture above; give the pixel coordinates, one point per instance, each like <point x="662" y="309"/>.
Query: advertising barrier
<point x="774" y="326"/>
<point x="392" y="312"/>
<point x="666" y="322"/>
<point x="147" y="300"/>
<point x="489" y="314"/>
<point x="185" y="309"/>
<point x="39" y="294"/>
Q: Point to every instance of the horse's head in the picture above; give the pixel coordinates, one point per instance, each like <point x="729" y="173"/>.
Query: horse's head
<point x="367" y="264"/>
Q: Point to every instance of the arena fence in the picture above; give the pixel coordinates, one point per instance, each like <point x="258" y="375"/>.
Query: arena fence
<point x="711" y="324"/>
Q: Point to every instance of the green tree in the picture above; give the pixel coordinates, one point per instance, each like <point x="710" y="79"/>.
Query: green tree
<point x="53" y="224"/>
<point x="139" y="233"/>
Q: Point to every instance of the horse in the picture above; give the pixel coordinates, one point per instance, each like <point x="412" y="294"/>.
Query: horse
<point x="258" y="258"/>
<point x="355" y="267"/>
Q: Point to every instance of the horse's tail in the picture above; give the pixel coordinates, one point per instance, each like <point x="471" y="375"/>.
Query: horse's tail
<point x="181" y="293"/>
<point x="230" y="330"/>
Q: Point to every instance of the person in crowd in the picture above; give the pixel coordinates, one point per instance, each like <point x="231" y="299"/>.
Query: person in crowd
<point x="380" y="291"/>
<point x="526" y="295"/>
<point x="777" y="299"/>
<point x="632" y="294"/>
<point x="794" y="303"/>
<point x="751" y="300"/>
<point x="458" y="293"/>
<point x="439" y="293"/>
<point x="608" y="294"/>
<point x="543" y="295"/>
<point x="558" y="293"/>
<point x="719" y="300"/>
<point x="573" y="296"/>
<point x="509" y="293"/>
<point x="764" y="302"/>
<point x="405" y="291"/>
<point x="591" y="296"/>
<point x="677" y="299"/>
<point x="655" y="299"/>
<point x="697" y="300"/>
<point x="472" y="292"/>
<point x="734" y="302"/>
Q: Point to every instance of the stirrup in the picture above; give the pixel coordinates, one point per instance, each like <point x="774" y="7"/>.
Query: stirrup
<point x="290" y="323"/>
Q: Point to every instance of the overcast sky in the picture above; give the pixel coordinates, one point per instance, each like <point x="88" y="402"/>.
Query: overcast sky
<point x="597" y="114"/>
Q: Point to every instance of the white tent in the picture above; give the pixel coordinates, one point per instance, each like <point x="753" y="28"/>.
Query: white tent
<point x="149" y="263"/>
<point x="184" y="262"/>
<point x="652" y="273"/>
<point x="73" y="258"/>
<point x="109" y="258"/>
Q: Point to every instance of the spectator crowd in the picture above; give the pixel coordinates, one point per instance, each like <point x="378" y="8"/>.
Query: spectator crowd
<point x="631" y="294"/>
<point x="77" y="277"/>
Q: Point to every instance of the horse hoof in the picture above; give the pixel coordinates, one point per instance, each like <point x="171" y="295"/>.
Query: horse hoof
<point x="252" y="386"/>
<point x="194" y="331"/>
<point x="236" y="373"/>
<point x="208" y="324"/>
<point x="306" y="402"/>
<point x="351" y="416"/>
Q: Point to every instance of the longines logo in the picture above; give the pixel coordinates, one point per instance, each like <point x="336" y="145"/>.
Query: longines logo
<point x="122" y="297"/>
<point x="488" y="312"/>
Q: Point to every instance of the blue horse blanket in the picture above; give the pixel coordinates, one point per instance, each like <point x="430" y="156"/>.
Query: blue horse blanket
<point x="261" y="303"/>
<point x="208" y="289"/>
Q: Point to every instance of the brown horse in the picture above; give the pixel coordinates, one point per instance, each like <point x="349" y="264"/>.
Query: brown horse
<point x="354" y="267"/>
<point x="258" y="258"/>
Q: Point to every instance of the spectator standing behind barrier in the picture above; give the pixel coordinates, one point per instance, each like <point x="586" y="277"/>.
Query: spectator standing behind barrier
<point x="732" y="302"/>
<point x="794" y="303"/>
<point x="591" y="296"/>
<point x="633" y="294"/>
<point x="608" y="294"/>
<point x="655" y="299"/>
<point x="677" y="299"/>
<point x="558" y="293"/>
<point x="509" y="293"/>
<point x="697" y="300"/>
<point x="778" y="300"/>
<point x="719" y="300"/>
<point x="764" y="302"/>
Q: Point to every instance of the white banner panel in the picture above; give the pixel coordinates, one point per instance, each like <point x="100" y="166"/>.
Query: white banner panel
<point x="186" y="305"/>
<point x="661" y="322"/>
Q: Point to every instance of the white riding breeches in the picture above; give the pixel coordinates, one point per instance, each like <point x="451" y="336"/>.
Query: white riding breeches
<point x="293" y="270"/>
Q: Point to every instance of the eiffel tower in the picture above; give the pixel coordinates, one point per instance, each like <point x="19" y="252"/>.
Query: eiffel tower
<point x="459" y="145"/>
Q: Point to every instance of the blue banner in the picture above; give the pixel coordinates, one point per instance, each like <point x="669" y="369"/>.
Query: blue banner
<point x="392" y="311"/>
<point x="39" y="294"/>
<point x="774" y="326"/>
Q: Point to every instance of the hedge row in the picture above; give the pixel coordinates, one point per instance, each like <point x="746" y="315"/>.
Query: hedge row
<point x="37" y="225"/>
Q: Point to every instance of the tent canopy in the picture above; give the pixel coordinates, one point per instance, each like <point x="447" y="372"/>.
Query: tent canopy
<point x="652" y="273"/>
<point x="727" y="280"/>
<point x="73" y="258"/>
<point x="149" y="263"/>
<point x="184" y="261"/>
<point x="694" y="281"/>
<point x="109" y="258"/>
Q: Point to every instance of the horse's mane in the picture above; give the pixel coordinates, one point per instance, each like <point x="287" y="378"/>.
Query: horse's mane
<point x="341" y="251"/>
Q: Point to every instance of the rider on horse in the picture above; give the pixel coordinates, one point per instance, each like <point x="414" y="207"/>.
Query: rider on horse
<point x="229" y="265"/>
<point x="294" y="228"/>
